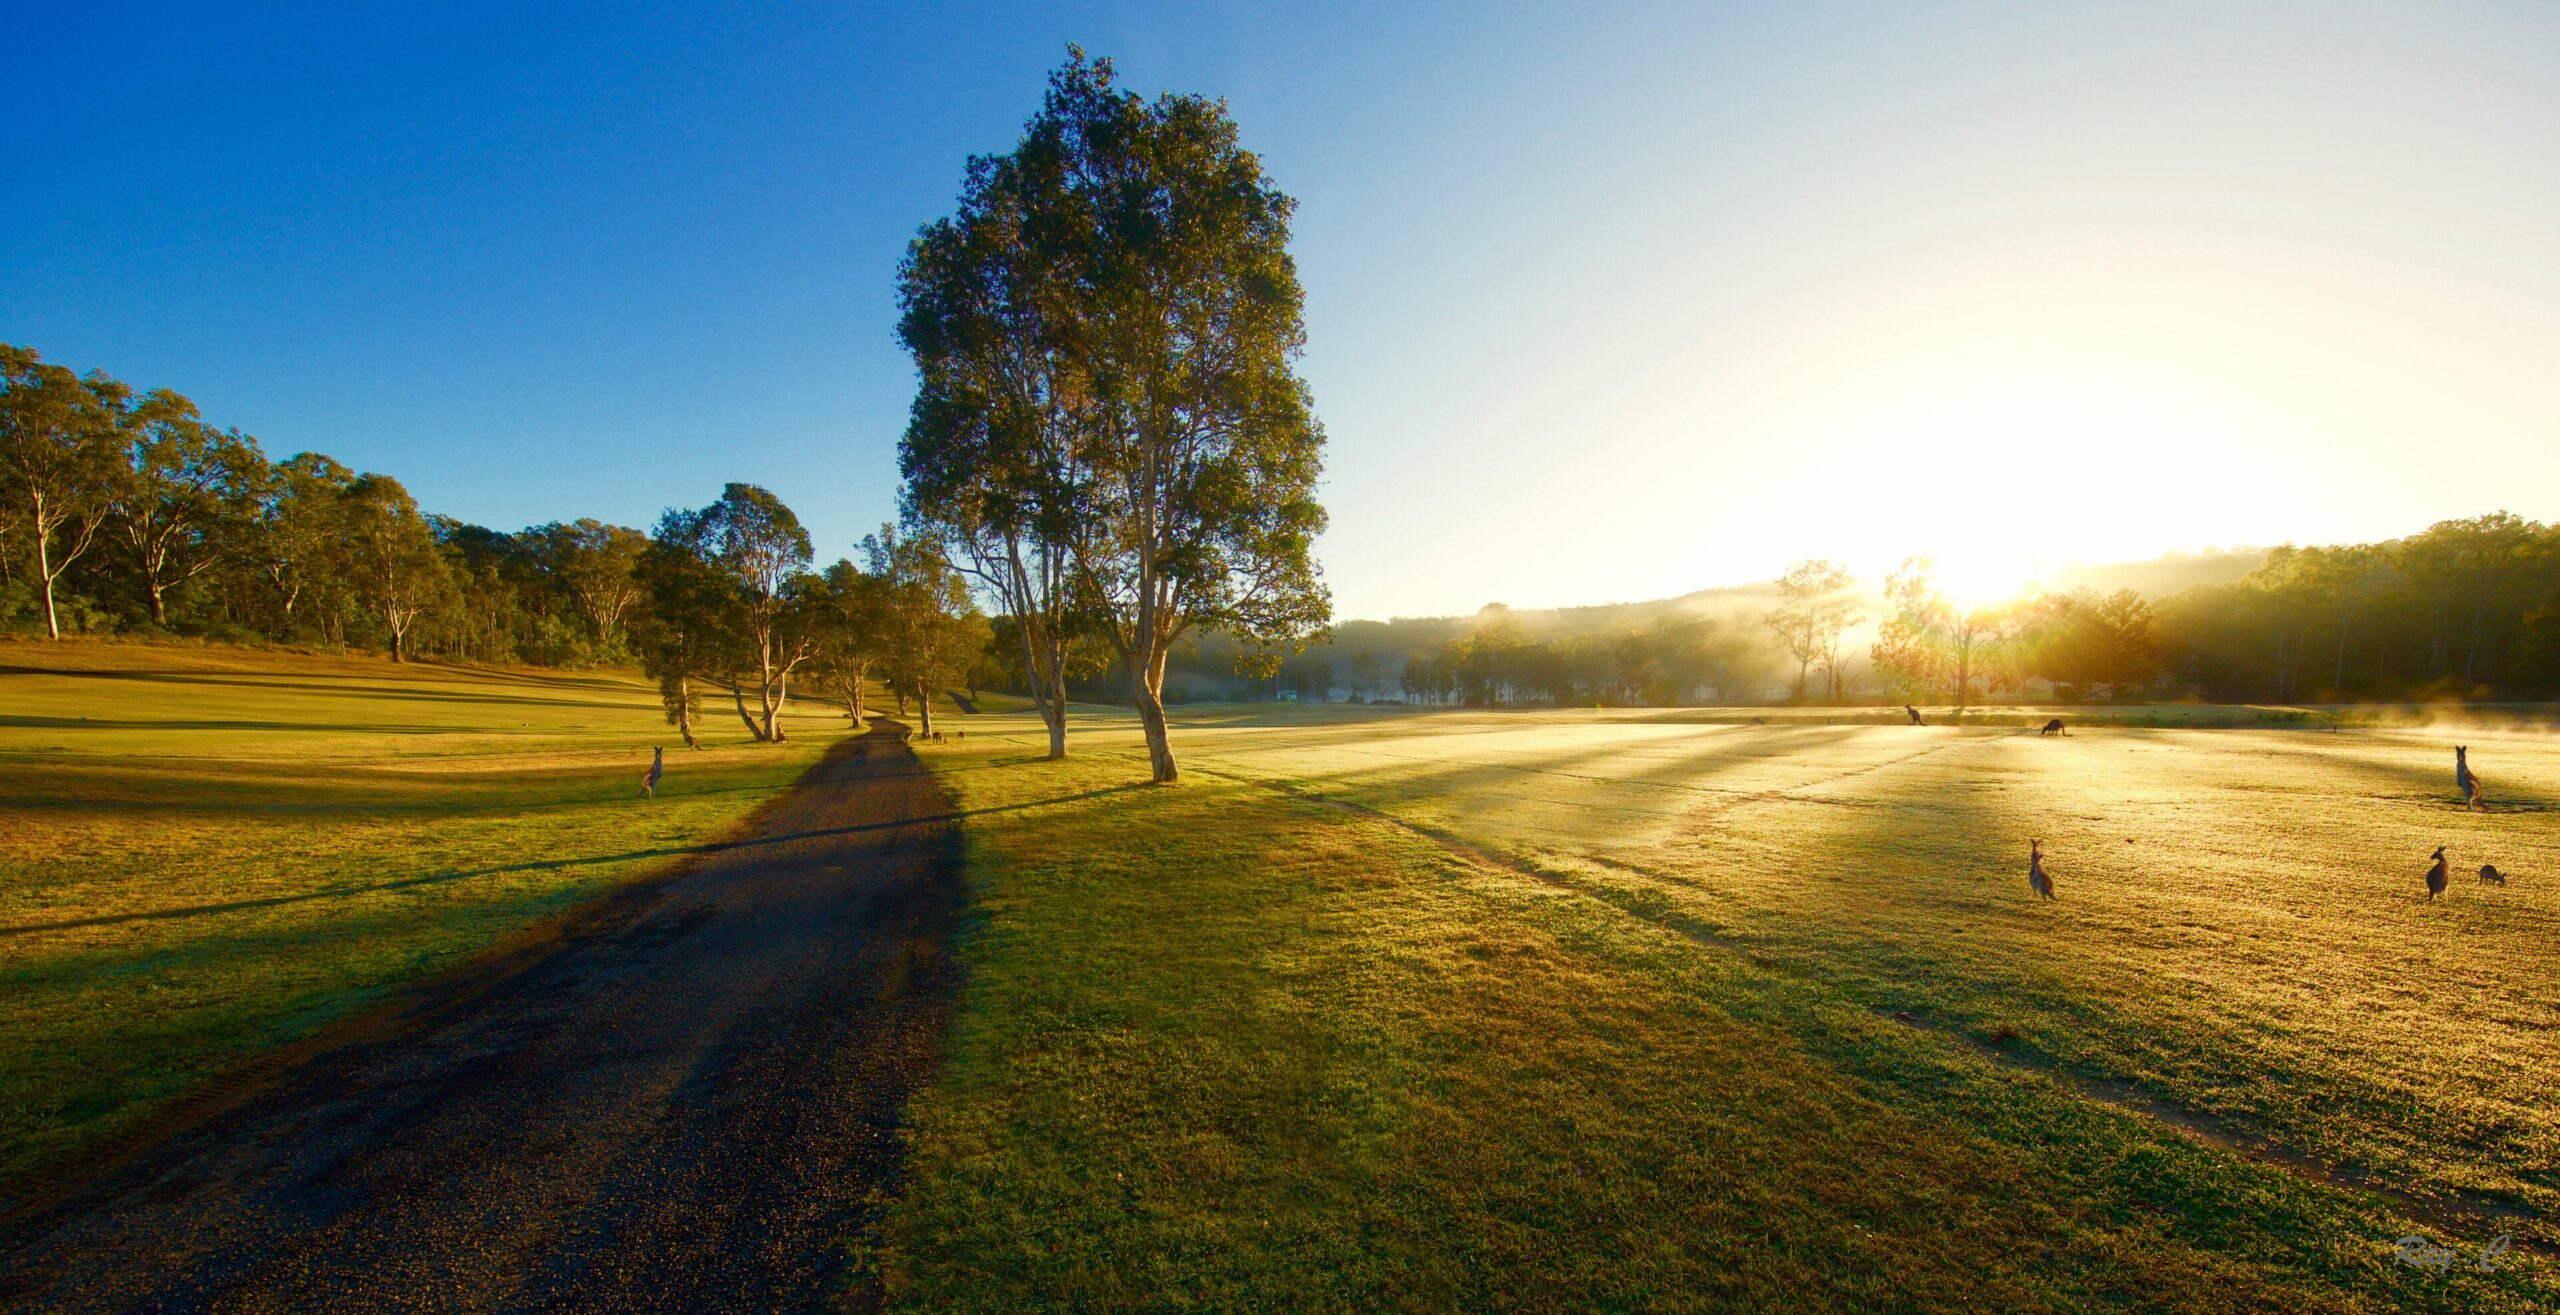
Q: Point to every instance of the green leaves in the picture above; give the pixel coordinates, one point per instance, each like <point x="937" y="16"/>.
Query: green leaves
<point x="1107" y="424"/>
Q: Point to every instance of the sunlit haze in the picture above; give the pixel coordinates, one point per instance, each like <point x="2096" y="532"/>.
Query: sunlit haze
<point x="1606" y="307"/>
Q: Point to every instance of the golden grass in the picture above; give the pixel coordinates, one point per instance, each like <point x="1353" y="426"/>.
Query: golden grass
<point x="1230" y="1044"/>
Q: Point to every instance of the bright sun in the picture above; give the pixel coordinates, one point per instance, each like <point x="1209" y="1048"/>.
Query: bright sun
<point x="1974" y="580"/>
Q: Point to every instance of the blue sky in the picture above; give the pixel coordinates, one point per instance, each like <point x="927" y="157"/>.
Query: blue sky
<point x="1604" y="304"/>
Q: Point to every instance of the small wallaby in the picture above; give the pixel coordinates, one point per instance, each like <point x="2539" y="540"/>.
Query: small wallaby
<point x="2037" y="881"/>
<point x="2436" y="875"/>
<point x="2463" y="779"/>
<point x="2489" y="873"/>
<point x="1915" y="715"/>
<point x="2053" y="727"/>
<point x="657" y="771"/>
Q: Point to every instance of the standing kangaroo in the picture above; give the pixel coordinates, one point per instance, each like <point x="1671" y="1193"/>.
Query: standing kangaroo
<point x="657" y="769"/>
<point x="2037" y="881"/>
<point x="2462" y="777"/>
<point x="2437" y="875"/>
<point x="1915" y="715"/>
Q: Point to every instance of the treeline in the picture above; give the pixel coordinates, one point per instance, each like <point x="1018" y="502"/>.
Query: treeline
<point x="123" y="510"/>
<point x="126" y="511"/>
<point x="2466" y="609"/>
<point x="1495" y="659"/>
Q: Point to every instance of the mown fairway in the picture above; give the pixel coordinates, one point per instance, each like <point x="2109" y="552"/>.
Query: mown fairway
<point x="205" y="853"/>
<point x="1638" y="1011"/>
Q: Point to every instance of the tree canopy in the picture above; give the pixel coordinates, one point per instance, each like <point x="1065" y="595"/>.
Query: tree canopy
<point x="1106" y="337"/>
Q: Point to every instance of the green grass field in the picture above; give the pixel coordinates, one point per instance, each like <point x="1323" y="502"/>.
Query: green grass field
<point x="1654" y="1011"/>
<point x="211" y="852"/>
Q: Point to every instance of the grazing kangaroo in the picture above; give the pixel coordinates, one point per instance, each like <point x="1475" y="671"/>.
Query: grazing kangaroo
<point x="657" y="770"/>
<point x="2463" y="779"/>
<point x="2053" y="727"/>
<point x="2489" y="873"/>
<point x="1915" y="715"/>
<point x="2436" y="875"/>
<point x="2037" y="881"/>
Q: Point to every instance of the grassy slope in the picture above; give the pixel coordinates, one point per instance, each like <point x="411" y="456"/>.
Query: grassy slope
<point x="1226" y="1045"/>
<point x="224" y="849"/>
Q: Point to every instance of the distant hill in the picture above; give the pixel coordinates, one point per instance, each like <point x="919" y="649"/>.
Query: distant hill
<point x="2161" y="576"/>
<point x="2158" y="577"/>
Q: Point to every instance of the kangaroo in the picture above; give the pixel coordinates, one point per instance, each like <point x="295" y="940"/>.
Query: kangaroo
<point x="2489" y="873"/>
<point x="657" y="770"/>
<point x="2053" y="727"/>
<point x="2037" y="881"/>
<point x="1915" y="715"/>
<point x="2463" y="779"/>
<point x="2436" y="875"/>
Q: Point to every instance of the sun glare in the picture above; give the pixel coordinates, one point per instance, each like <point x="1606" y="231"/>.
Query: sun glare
<point x="1976" y="580"/>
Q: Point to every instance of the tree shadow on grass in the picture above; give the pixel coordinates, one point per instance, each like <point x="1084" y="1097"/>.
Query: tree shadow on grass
<point x="547" y="865"/>
<point x="347" y="689"/>
<point x="22" y="722"/>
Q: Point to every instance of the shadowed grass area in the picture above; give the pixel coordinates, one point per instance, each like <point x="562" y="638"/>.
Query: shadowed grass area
<point x="1602" y="1015"/>
<point x="210" y="852"/>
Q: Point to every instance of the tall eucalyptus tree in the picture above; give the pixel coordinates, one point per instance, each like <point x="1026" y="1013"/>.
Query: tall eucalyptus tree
<point x="1108" y="335"/>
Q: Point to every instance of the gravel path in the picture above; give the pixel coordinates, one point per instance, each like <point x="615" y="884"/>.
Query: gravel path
<point x="685" y="1101"/>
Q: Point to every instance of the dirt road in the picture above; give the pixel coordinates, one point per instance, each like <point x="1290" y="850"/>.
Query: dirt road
<point x="686" y="1102"/>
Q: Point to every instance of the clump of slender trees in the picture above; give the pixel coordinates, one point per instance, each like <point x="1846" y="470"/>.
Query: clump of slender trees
<point x="1108" y="434"/>
<point x="733" y="604"/>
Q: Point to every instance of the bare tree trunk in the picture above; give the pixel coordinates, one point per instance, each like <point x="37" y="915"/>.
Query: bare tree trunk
<point x="738" y="696"/>
<point x="44" y="568"/>
<point x="781" y="700"/>
<point x="924" y="711"/>
<point x="684" y="712"/>
<point x="1149" y="691"/>
<point x="764" y="686"/>
<point x="1046" y="665"/>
